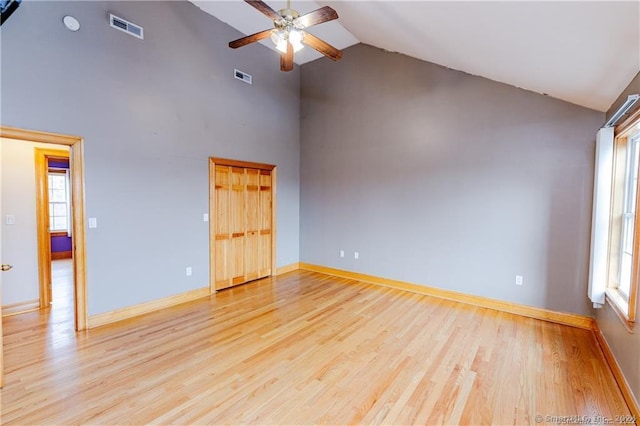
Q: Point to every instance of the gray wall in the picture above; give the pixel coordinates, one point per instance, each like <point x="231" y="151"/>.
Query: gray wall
<point x="445" y="179"/>
<point x="151" y="111"/>
<point x="625" y="346"/>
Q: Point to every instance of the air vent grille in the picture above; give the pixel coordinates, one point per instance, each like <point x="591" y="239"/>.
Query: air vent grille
<point x="240" y="75"/>
<point x="126" y="26"/>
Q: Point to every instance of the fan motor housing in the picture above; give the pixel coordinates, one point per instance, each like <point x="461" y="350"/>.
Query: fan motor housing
<point x="288" y="13"/>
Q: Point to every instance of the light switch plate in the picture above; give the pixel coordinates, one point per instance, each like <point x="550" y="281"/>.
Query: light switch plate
<point x="10" y="219"/>
<point x="93" y="222"/>
<point x="205" y="217"/>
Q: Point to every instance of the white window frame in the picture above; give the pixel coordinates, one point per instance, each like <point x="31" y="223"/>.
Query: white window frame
<point x="624" y="223"/>
<point x="67" y="202"/>
<point x="625" y="270"/>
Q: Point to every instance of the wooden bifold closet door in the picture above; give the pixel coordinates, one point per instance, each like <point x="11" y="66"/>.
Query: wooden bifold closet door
<point x="242" y="222"/>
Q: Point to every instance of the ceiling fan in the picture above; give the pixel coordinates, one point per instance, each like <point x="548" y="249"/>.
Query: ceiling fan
<point x="289" y="33"/>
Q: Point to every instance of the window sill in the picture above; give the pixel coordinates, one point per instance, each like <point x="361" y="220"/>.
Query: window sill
<point x="620" y="308"/>
<point x="59" y="233"/>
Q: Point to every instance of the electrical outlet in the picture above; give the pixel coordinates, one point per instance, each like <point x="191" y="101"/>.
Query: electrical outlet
<point x="341" y="253"/>
<point x="356" y="255"/>
<point x="518" y="279"/>
<point x="189" y="271"/>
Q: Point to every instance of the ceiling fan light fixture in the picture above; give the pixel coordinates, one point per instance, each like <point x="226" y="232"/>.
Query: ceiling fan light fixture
<point x="279" y="37"/>
<point x="295" y="38"/>
<point x="289" y="32"/>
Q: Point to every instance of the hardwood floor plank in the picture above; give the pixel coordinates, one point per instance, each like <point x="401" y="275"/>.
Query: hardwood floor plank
<point x="304" y="348"/>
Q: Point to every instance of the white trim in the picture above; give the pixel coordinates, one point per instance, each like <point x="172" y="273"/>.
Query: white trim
<point x="600" y="219"/>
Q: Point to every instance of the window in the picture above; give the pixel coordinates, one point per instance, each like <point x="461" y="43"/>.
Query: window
<point x="628" y="216"/>
<point x="58" y="201"/>
<point x="624" y="234"/>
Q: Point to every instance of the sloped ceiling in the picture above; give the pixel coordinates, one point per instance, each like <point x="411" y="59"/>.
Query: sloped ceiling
<point x="584" y="52"/>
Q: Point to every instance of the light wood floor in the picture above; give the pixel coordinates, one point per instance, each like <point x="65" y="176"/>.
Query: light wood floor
<point x="305" y="348"/>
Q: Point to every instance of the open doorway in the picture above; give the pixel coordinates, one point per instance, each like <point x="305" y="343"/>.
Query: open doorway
<point x="54" y="212"/>
<point x="54" y="220"/>
<point x="51" y="150"/>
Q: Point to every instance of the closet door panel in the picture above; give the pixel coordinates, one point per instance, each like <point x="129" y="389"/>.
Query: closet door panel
<point x="238" y="224"/>
<point x="252" y="251"/>
<point x="223" y="270"/>
<point x="222" y="228"/>
<point x="266" y="233"/>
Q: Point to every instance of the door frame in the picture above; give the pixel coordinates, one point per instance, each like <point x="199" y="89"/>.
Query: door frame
<point x="42" y="216"/>
<point x="213" y="162"/>
<point x="76" y="167"/>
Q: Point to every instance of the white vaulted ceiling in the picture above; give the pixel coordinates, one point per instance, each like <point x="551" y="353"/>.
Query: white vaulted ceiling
<point x="584" y="52"/>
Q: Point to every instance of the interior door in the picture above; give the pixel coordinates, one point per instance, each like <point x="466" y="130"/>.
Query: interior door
<point x="242" y="233"/>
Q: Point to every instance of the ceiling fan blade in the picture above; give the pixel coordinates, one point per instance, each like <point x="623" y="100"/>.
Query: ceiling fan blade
<point x="324" y="14"/>
<point x="321" y="46"/>
<point x="286" y="59"/>
<point x="249" y="39"/>
<point x="265" y="9"/>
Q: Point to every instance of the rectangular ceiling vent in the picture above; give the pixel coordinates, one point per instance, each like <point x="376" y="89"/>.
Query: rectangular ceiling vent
<point x="126" y="26"/>
<point x="240" y="75"/>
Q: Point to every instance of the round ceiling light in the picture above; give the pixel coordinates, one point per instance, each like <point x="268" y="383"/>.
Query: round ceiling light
<point x="71" y="23"/>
